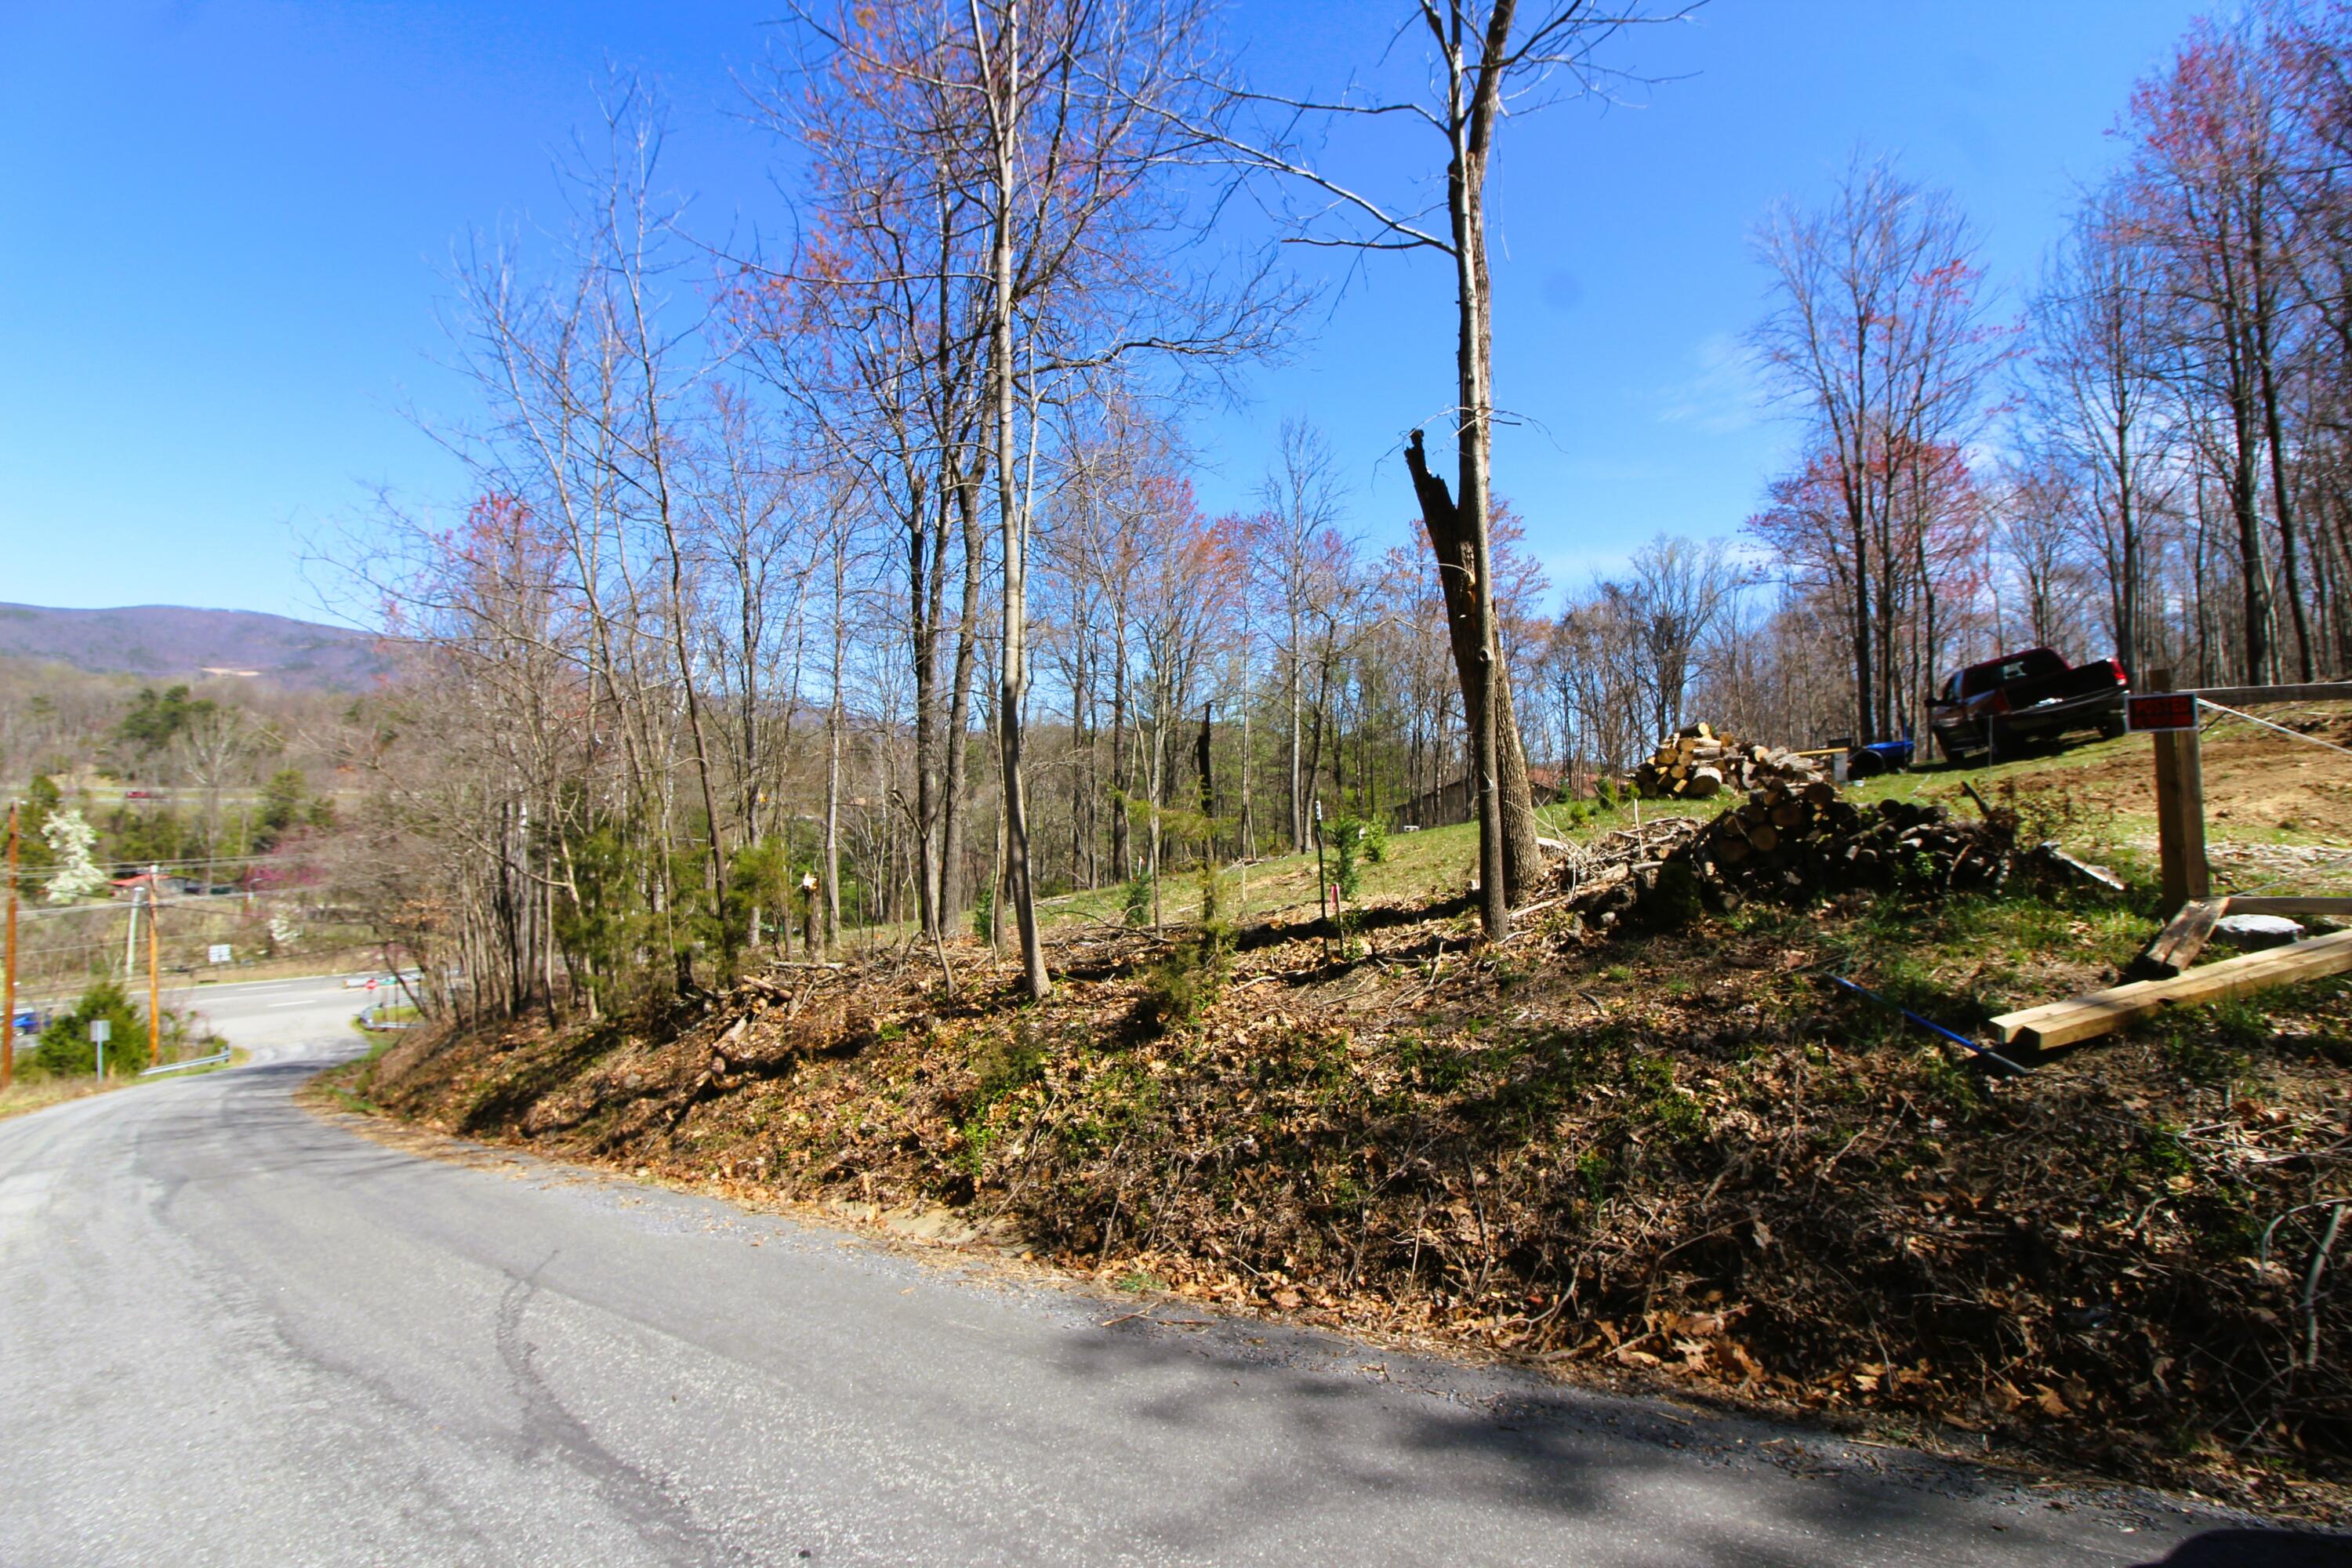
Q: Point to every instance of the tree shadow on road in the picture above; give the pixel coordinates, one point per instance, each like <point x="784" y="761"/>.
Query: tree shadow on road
<point x="1602" y="1477"/>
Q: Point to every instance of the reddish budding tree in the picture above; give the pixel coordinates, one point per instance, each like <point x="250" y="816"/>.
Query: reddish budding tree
<point x="1879" y="341"/>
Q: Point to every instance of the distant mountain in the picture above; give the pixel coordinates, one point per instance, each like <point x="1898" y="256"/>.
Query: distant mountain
<point x="174" y="642"/>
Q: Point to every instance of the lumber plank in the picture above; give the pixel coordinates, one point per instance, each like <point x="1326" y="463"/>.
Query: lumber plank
<point x="2290" y="905"/>
<point x="2176" y="947"/>
<point x="2247" y="696"/>
<point x="2064" y="1023"/>
<point x="2099" y="877"/>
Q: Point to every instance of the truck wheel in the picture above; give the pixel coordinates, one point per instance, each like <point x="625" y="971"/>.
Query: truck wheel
<point x="2110" y="727"/>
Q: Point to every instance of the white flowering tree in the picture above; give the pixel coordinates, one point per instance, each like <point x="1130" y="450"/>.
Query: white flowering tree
<point x="75" y="873"/>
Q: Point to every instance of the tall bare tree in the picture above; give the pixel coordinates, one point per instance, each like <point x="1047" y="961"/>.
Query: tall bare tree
<point x="1878" y="336"/>
<point x="1486" y="59"/>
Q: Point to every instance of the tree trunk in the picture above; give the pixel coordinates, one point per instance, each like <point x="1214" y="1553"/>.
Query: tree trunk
<point x="1121" y="849"/>
<point x="1004" y="101"/>
<point x="956" y="793"/>
<point x="1516" y="863"/>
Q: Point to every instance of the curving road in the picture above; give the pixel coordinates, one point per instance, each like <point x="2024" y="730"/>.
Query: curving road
<point x="234" y="1332"/>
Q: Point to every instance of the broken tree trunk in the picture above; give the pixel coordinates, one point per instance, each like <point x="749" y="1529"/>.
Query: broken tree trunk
<point x="1452" y="539"/>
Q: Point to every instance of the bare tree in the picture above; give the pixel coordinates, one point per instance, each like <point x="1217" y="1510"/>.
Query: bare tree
<point x="2205" y="192"/>
<point x="1486" y="59"/>
<point x="1878" y="337"/>
<point x="1083" y="122"/>
<point x="1301" y="499"/>
<point x="1679" y="589"/>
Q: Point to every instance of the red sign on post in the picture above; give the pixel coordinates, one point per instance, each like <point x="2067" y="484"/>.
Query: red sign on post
<point x="2161" y="710"/>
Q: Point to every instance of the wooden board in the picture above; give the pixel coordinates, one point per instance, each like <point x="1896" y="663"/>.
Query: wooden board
<point x="2085" y="1018"/>
<point x="2248" y="696"/>
<point x="2176" y="947"/>
<point x="2341" y="907"/>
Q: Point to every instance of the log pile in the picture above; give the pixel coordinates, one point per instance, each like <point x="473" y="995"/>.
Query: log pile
<point x="1787" y="842"/>
<point x="1696" y="762"/>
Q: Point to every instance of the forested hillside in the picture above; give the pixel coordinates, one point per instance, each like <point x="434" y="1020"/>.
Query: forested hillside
<point x="178" y="643"/>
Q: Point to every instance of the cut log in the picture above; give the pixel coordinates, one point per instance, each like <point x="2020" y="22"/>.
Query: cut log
<point x="2058" y="1024"/>
<point x="1703" y="781"/>
<point x="2176" y="947"/>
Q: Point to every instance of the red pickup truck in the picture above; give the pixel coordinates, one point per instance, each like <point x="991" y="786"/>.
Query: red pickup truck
<point x="1998" y="708"/>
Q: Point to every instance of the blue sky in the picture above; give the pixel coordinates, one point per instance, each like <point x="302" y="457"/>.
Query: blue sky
<point x="226" y="224"/>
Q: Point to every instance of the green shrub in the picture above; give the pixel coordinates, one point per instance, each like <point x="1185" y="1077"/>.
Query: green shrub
<point x="983" y="910"/>
<point x="1354" y="841"/>
<point x="1138" y="900"/>
<point x="1187" y="982"/>
<point x="1002" y="1065"/>
<point x="65" y="1048"/>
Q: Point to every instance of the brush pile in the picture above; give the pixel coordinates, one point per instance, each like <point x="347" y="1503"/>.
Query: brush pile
<point x="1696" y="762"/>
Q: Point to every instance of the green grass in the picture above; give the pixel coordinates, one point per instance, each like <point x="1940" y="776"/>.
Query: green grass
<point x="1433" y="862"/>
<point x="1438" y="862"/>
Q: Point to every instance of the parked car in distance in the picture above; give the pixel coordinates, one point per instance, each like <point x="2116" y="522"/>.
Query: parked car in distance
<point x="2004" y="705"/>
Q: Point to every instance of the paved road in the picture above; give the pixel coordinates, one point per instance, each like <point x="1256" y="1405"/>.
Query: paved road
<point x="233" y="1332"/>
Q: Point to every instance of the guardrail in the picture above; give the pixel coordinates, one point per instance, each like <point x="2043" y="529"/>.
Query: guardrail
<point x="193" y="1062"/>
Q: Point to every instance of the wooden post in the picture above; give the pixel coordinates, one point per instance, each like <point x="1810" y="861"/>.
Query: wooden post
<point x="2179" y="810"/>
<point x="154" y="984"/>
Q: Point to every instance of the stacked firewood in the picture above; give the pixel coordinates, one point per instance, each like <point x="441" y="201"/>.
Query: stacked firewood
<point x="1696" y="761"/>
<point x="1805" y="839"/>
<point x="1789" y="842"/>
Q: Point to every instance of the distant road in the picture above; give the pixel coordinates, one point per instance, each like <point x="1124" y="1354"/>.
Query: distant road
<point x="233" y="1332"/>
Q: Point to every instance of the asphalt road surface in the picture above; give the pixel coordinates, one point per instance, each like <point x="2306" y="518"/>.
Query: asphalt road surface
<point x="232" y="1332"/>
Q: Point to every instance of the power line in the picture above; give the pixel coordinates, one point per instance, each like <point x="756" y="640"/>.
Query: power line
<point x="196" y="903"/>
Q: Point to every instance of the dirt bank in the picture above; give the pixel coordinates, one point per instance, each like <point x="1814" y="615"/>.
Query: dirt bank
<point x="1676" y="1158"/>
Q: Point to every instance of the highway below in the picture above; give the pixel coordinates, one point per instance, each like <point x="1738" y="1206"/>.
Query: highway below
<point x="235" y="1331"/>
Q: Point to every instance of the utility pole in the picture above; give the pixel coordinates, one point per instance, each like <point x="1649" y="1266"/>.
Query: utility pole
<point x="8" y="986"/>
<point x="131" y="935"/>
<point x="154" y="984"/>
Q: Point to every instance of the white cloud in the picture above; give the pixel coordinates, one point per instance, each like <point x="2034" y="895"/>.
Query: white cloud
<point x="1726" y="394"/>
